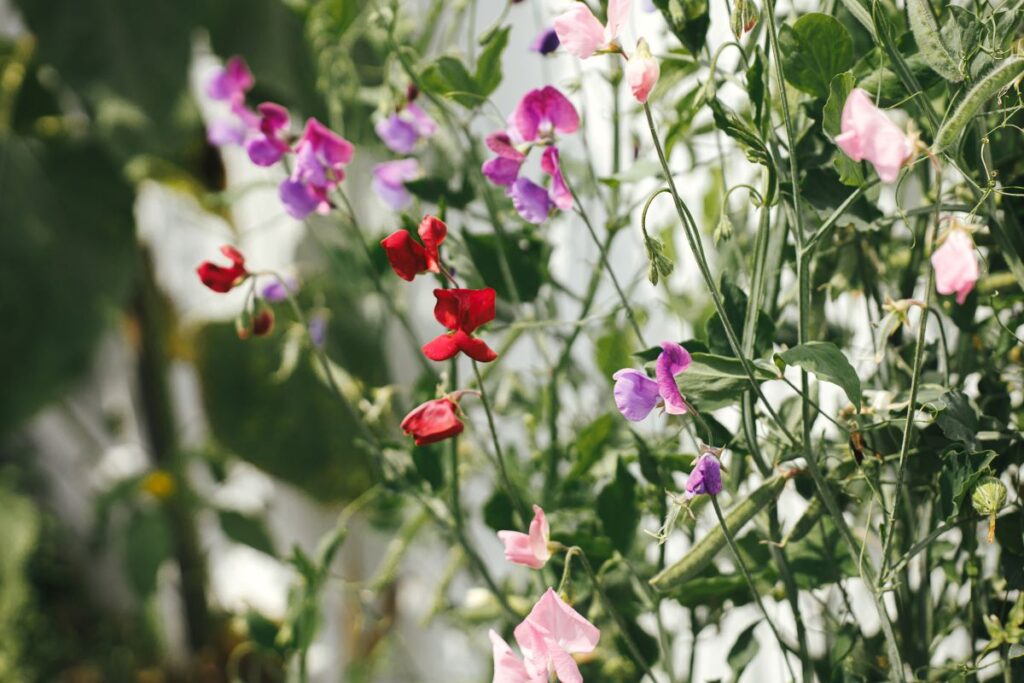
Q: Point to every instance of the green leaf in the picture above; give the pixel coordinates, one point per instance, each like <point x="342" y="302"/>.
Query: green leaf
<point x="750" y="140"/>
<point x="427" y="461"/>
<point x="850" y="171"/>
<point x="929" y="40"/>
<point x="527" y="259"/>
<point x="714" y="381"/>
<point x="961" y="472"/>
<point x="436" y="190"/>
<point x="613" y="351"/>
<point x="498" y="511"/>
<point x="488" y="67"/>
<point x="448" y="77"/>
<point x="828" y="364"/>
<point x="618" y="510"/>
<point x="743" y="650"/>
<point x="689" y="21"/>
<point x="735" y="301"/>
<point x="590" y="443"/>
<point x="814" y="49"/>
<point x="956" y="417"/>
<point x="247" y="530"/>
<point x="147" y="543"/>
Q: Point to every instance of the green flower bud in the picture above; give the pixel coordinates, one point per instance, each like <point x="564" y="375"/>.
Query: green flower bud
<point x="661" y="266"/>
<point x="988" y="499"/>
<point x="725" y="229"/>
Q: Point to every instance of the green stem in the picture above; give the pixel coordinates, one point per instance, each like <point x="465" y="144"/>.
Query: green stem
<point x="517" y="502"/>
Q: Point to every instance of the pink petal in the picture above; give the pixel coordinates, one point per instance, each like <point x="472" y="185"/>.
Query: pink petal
<point x="618" y="13"/>
<point x="559" y="191"/>
<point x="564" y="625"/>
<point x="673" y="360"/>
<point x="519" y="549"/>
<point x="642" y="75"/>
<point x="559" y="110"/>
<point x="868" y="134"/>
<point x="540" y="535"/>
<point x="501" y="144"/>
<point x="956" y="265"/>
<point x="507" y="667"/>
<point x="579" y="31"/>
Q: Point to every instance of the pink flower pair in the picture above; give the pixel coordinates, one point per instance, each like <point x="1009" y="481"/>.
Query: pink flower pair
<point x="548" y="638"/>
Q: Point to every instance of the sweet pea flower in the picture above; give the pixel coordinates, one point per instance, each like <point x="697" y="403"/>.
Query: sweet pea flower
<point x="220" y="278"/>
<point x="408" y="258"/>
<point x="636" y="394"/>
<point x="318" y="329"/>
<point x="583" y="34"/>
<point x="530" y="549"/>
<point x="231" y="82"/>
<point x="462" y="311"/>
<point x="389" y="180"/>
<point x="277" y="291"/>
<point x="531" y="201"/>
<point x="956" y="263"/>
<point x="543" y="112"/>
<point x="266" y="146"/>
<point x="546" y="42"/>
<point x="508" y="668"/>
<point x="706" y="477"/>
<point x="867" y="133"/>
<point x="320" y="158"/>
<point x="642" y="72"/>
<point x="503" y="169"/>
<point x="403" y="129"/>
<point x="560" y="194"/>
<point x="433" y="421"/>
<point x="551" y="633"/>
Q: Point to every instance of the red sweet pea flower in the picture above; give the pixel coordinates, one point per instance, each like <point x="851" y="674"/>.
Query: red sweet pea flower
<point x="408" y="258"/>
<point x="224" y="279"/>
<point x="462" y="311"/>
<point x="433" y="421"/>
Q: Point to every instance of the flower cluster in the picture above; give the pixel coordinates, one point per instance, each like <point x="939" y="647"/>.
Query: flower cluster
<point x="636" y="394"/>
<point x="540" y="115"/>
<point x="400" y="132"/>
<point x="321" y="155"/>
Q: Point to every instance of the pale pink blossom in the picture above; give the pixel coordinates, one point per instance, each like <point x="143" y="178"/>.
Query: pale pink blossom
<point x="868" y="134"/>
<point x="508" y="668"/>
<point x="956" y="264"/>
<point x="530" y="549"/>
<point x="582" y="34"/>
<point x="551" y="633"/>
<point x="642" y="72"/>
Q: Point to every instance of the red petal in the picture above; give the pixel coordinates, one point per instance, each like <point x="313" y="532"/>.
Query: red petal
<point x="475" y="348"/>
<point x="441" y="348"/>
<point x="233" y="254"/>
<point x="447" y="308"/>
<point x="219" y="278"/>
<point x="432" y="421"/>
<point x="477" y="308"/>
<point x="407" y="258"/>
<point x="433" y="231"/>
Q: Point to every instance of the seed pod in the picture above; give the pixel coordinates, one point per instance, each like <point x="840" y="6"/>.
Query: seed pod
<point x="988" y="499"/>
<point x="996" y="79"/>
<point x="704" y="551"/>
<point x="929" y="41"/>
<point x="806" y="523"/>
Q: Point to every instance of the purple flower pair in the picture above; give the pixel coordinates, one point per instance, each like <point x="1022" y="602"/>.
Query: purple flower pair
<point x="636" y="394"/>
<point x="539" y="116"/>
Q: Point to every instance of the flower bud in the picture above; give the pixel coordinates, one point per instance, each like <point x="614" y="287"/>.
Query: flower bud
<point x="743" y="18"/>
<point x="988" y="499"/>
<point x="725" y="229"/>
<point x="661" y="266"/>
<point x="642" y="72"/>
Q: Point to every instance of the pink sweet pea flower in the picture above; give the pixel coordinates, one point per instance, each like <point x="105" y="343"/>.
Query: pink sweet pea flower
<point x="508" y="668"/>
<point x="867" y="133"/>
<point x="636" y="394"/>
<point x="642" y="72"/>
<point x="559" y="192"/>
<point x="583" y="34"/>
<point x="543" y="112"/>
<point x="956" y="264"/>
<point x="231" y="82"/>
<point x="531" y="549"/>
<point x="320" y="159"/>
<point x="266" y="146"/>
<point x="551" y="633"/>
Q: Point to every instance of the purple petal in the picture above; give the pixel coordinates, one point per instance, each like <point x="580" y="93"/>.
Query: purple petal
<point x="559" y="110"/>
<point x="223" y="132"/>
<point x="706" y="477"/>
<point x="560" y="193"/>
<point x="318" y="330"/>
<point x="263" y="151"/>
<point x="501" y="171"/>
<point x="298" y="198"/>
<point x="531" y="200"/>
<point x="389" y="180"/>
<point x="421" y="121"/>
<point x="398" y="135"/>
<point x="231" y="82"/>
<point x="545" y="43"/>
<point x="673" y="360"/>
<point x="635" y="393"/>
<point x="501" y="144"/>
<point x="275" y="292"/>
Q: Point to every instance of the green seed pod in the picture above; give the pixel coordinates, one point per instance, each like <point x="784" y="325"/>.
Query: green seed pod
<point x="929" y="41"/>
<point x="704" y="550"/>
<point x="988" y="499"/>
<point x="996" y="79"/>
<point x="806" y="523"/>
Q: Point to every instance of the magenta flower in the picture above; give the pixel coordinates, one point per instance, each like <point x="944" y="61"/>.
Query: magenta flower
<point x="402" y="130"/>
<point x="956" y="264"/>
<point x="266" y="145"/>
<point x="559" y="192"/>
<point x="231" y="82"/>
<point x="551" y="633"/>
<point x="867" y="133"/>
<point x="530" y="549"/>
<point x="389" y="180"/>
<point x="543" y="112"/>
<point x="320" y="159"/>
<point x="636" y="394"/>
<point x="546" y="42"/>
<point x="583" y="34"/>
<point x="706" y="477"/>
<point x="503" y="169"/>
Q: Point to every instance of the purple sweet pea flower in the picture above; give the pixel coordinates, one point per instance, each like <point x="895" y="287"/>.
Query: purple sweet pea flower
<point x="636" y="394"/>
<point x="543" y="112"/>
<point x="559" y="193"/>
<point x="231" y="82"/>
<point x="501" y="144"/>
<point x="389" y="180"/>
<point x="300" y="199"/>
<point x="320" y="159"/>
<point x="223" y="132"/>
<point x="402" y="130"/>
<point x="501" y="171"/>
<point x="318" y="329"/>
<point x="706" y="477"/>
<point x="545" y="43"/>
<point x="275" y="291"/>
<point x="266" y="146"/>
<point x="531" y="200"/>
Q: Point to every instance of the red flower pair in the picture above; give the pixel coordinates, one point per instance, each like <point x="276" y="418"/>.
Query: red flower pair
<point x="220" y="278"/>
<point x="408" y="257"/>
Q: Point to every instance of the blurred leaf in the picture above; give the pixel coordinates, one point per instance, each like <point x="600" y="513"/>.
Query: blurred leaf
<point x="688" y="20"/>
<point x="743" y="650"/>
<point x="527" y="256"/>
<point x="617" y="508"/>
<point x="447" y="76"/>
<point x="488" y="66"/>
<point x="613" y="351"/>
<point x="498" y="511"/>
<point x="147" y="543"/>
<point x="427" y="461"/>
<point x="436" y="190"/>
<point x="590" y="443"/>
<point x="956" y="417"/>
<point x="247" y="530"/>
<point x="735" y="300"/>
<point x="828" y="364"/>
<point x="814" y="49"/>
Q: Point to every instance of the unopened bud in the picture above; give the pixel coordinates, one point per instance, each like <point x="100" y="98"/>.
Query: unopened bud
<point x="744" y="17"/>
<point x="725" y="229"/>
<point x="661" y="266"/>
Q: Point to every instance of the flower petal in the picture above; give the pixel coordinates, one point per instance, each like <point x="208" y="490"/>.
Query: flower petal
<point x="530" y="200"/>
<point x="474" y="347"/>
<point x="635" y="393"/>
<point x="441" y="348"/>
<point x="579" y="31"/>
